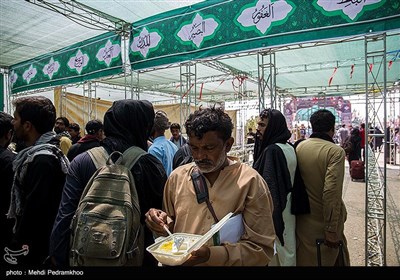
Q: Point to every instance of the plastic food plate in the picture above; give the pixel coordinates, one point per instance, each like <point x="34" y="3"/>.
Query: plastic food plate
<point x="162" y="249"/>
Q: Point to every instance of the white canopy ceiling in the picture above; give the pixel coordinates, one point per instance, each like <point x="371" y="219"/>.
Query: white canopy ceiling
<point x="27" y="27"/>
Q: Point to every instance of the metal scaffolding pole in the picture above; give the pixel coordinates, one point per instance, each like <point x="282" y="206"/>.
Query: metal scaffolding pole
<point x="83" y="15"/>
<point x="188" y="80"/>
<point x="375" y="100"/>
<point x="267" y="78"/>
<point x="89" y="109"/>
<point x="135" y="90"/>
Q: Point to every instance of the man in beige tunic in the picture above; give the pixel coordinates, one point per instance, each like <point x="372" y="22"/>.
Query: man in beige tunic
<point x="232" y="187"/>
<point x="321" y="164"/>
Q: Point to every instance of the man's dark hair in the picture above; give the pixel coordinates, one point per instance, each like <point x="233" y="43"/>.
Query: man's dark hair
<point x="65" y="121"/>
<point x="175" y="125"/>
<point x="209" y="119"/>
<point x="38" y="110"/>
<point x="93" y="126"/>
<point x="322" y="121"/>
<point x="74" y="126"/>
<point x="5" y="123"/>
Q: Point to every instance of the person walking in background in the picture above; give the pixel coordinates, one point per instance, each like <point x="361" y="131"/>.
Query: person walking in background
<point x="162" y="148"/>
<point x="275" y="160"/>
<point x="355" y="144"/>
<point x="397" y="138"/>
<point x="232" y="187"/>
<point x="350" y="128"/>
<point x="342" y="134"/>
<point x="40" y="171"/>
<point x="378" y="140"/>
<point x="362" y="135"/>
<point x="296" y="133"/>
<point x="6" y="175"/>
<point x="149" y="174"/>
<point x="177" y="137"/>
<point x="353" y="153"/>
<point x="303" y="131"/>
<point x="63" y="136"/>
<point x="322" y="167"/>
<point x="250" y="136"/>
<point x="93" y="138"/>
<point x="75" y="131"/>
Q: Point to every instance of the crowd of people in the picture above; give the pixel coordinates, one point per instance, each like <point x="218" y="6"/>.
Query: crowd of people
<point x="46" y="177"/>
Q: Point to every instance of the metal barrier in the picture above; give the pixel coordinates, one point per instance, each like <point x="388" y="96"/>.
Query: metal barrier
<point x="243" y="152"/>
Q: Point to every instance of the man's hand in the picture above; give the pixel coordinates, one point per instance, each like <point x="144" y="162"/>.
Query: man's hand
<point x="331" y="239"/>
<point x="155" y="221"/>
<point x="199" y="256"/>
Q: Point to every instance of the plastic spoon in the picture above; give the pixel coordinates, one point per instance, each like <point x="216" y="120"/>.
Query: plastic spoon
<point x="177" y="240"/>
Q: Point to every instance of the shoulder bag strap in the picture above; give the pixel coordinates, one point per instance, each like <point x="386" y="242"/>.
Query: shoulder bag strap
<point x="200" y="187"/>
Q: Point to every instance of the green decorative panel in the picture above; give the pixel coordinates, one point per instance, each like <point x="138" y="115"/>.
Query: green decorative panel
<point x="94" y="58"/>
<point x="217" y="27"/>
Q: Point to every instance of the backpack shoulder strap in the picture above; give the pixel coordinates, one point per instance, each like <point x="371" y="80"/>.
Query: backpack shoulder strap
<point x="131" y="156"/>
<point x="99" y="156"/>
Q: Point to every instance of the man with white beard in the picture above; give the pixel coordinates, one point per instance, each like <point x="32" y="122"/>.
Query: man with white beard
<point x="227" y="186"/>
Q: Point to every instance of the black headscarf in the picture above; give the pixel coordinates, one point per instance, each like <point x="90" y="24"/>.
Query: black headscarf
<point x="128" y="123"/>
<point x="276" y="132"/>
<point x="270" y="163"/>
